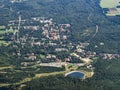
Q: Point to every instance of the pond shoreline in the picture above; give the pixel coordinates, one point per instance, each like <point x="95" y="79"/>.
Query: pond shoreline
<point x="82" y="74"/>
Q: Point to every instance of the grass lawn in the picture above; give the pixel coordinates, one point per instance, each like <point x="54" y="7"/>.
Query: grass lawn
<point x="3" y="31"/>
<point x="42" y="56"/>
<point x="7" y="67"/>
<point x="109" y="3"/>
<point x="4" y="42"/>
<point x="39" y="75"/>
<point x="2" y="27"/>
<point x="1" y="37"/>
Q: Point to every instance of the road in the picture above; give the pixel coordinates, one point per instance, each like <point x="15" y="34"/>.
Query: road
<point x="96" y="31"/>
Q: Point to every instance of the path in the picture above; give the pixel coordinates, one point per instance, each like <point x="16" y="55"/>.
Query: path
<point x="96" y="31"/>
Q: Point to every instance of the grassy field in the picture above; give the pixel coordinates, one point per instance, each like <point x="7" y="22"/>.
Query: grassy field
<point x="4" y="43"/>
<point x="6" y="31"/>
<point x="109" y="3"/>
<point x="2" y="32"/>
<point x="39" y="75"/>
<point x="2" y="27"/>
<point x="1" y="37"/>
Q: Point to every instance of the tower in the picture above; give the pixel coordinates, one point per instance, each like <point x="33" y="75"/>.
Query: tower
<point x="16" y="32"/>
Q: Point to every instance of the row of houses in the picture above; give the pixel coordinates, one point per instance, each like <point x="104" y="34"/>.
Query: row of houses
<point x="110" y="56"/>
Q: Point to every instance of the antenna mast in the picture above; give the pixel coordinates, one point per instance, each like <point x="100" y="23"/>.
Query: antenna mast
<point x="19" y="23"/>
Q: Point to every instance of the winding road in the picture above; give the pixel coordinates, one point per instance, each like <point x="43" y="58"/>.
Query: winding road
<point x="96" y="31"/>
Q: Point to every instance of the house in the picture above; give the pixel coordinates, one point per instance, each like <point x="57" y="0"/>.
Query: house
<point x="30" y="57"/>
<point x="61" y="49"/>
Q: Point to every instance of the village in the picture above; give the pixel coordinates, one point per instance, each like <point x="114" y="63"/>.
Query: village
<point x="50" y="43"/>
<point x="55" y="37"/>
<point x="40" y="45"/>
<point x="41" y="42"/>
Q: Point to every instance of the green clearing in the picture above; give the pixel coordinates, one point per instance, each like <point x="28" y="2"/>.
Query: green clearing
<point x="2" y="27"/>
<point x="109" y="3"/>
<point x="7" y="67"/>
<point x="113" y="13"/>
<point x="1" y="37"/>
<point x="3" y="31"/>
<point x="42" y="56"/>
<point x="6" y="31"/>
<point x="4" y="43"/>
<point x="40" y="75"/>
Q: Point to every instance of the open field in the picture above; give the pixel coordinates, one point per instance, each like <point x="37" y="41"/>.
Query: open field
<point x="1" y="68"/>
<point x="6" y="31"/>
<point x="1" y="37"/>
<point x="4" y="43"/>
<point x="39" y="75"/>
<point x="2" y="27"/>
<point x="111" y="5"/>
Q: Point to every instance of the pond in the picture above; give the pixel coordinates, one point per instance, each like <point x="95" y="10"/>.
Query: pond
<point x="76" y="74"/>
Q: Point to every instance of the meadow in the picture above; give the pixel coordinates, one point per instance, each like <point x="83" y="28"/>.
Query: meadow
<point x="3" y="31"/>
<point x="111" y="5"/>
